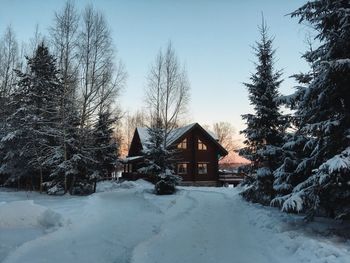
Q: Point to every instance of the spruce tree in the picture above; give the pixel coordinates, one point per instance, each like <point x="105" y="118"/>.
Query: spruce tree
<point x="324" y="114"/>
<point x="69" y="162"/>
<point x="295" y="150"/>
<point x="264" y="127"/>
<point x="159" y="160"/>
<point x="105" y="147"/>
<point x="33" y="126"/>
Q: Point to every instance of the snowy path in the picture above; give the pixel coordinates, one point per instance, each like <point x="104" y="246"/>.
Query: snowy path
<point x="213" y="229"/>
<point x="195" y="225"/>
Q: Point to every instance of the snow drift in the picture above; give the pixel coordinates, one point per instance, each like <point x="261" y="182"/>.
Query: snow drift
<point x="28" y="214"/>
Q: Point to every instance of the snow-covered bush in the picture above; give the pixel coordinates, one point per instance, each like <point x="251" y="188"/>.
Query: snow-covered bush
<point x="83" y="188"/>
<point x="54" y="188"/>
<point x="166" y="183"/>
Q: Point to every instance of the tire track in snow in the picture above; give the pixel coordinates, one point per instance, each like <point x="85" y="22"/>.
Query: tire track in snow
<point x="212" y="230"/>
<point x="172" y="214"/>
<point x="203" y="225"/>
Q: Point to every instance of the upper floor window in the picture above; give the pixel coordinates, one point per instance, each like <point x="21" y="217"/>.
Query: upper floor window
<point x="128" y="168"/>
<point x="183" y="144"/>
<point x="201" y="145"/>
<point x="182" y="168"/>
<point x="202" y="168"/>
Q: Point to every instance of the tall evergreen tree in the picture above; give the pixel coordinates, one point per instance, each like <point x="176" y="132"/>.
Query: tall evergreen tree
<point x="324" y="114"/>
<point x="263" y="132"/>
<point x="69" y="160"/>
<point x="34" y="123"/>
<point x="105" y="148"/>
<point x="295" y="151"/>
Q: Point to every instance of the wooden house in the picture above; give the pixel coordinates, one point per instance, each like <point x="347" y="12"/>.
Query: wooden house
<point x="197" y="155"/>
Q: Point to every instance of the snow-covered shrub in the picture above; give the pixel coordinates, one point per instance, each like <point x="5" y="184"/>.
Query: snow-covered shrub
<point x="83" y="188"/>
<point x="57" y="189"/>
<point x="53" y="187"/>
<point x="166" y="183"/>
<point x="163" y="187"/>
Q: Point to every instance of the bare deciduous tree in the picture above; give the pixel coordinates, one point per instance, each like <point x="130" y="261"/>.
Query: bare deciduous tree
<point x="34" y="42"/>
<point x="225" y="132"/>
<point x="155" y="86"/>
<point x="8" y="62"/>
<point x="64" y="39"/>
<point x="132" y="121"/>
<point x="167" y="93"/>
<point x="101" y="78"/>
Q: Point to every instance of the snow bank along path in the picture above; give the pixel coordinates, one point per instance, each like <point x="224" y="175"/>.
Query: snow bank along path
<point x="127" y="223"/>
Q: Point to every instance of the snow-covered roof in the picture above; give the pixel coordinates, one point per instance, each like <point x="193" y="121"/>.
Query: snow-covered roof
<point x="177" y="133"/>
<point x="143" y="134"/>
<point x="130" y="159"/>
<point x="173" y="135"/>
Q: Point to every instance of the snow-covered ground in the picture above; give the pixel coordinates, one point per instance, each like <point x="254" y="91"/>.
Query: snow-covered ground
<point x="127" y="223"/>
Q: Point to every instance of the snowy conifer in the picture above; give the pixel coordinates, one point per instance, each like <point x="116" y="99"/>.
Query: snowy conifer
<point x="34" y="122"/>
<point x="325" y="115"/>
<point x="263" y="132"/>
<point x="294" y="149"/>
<point x="104" y="146"/>
<point x="159" y="160"/>
<point x="68" y="163"/>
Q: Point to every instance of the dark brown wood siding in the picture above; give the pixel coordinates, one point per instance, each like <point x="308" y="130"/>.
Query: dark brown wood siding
<point x="185" y="156"/>
<point x="192" y="156"/>
<point x="135" y="146"/>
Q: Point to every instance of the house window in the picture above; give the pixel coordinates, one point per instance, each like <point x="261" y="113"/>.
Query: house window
<point x="182" y="145"/>
<point x="182" y="168"/>
<point x="201" y="145"/>
<point x="128" y="168"/>
<point x="202" y="168"/>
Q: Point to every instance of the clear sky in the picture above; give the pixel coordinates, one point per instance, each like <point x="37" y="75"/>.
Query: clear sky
<point x="212" y="38"/>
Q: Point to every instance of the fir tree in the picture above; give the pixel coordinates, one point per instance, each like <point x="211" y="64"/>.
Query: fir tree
<point x="68" y="162"/>
<point x="292" y="152"/>
<point x="159" y="160"/>
<point x="33" y="124"/>
<point x="324" y="114"/>
<point x="263" y="132"/>
<point x="105" y="146"/>
<point x="295" y="149"/>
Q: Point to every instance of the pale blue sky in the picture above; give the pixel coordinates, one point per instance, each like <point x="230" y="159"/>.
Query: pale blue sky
<point x="212" y="38"/>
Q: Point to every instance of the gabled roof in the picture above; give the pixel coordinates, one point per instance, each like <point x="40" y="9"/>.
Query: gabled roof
<point x="172" y="137"/>
<point x="176" y="134"/>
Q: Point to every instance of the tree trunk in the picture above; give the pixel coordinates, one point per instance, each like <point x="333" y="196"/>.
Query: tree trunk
<point x="95" y="182"/>
<point x="72" y="185"/>
<point x="41" y="181"/>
